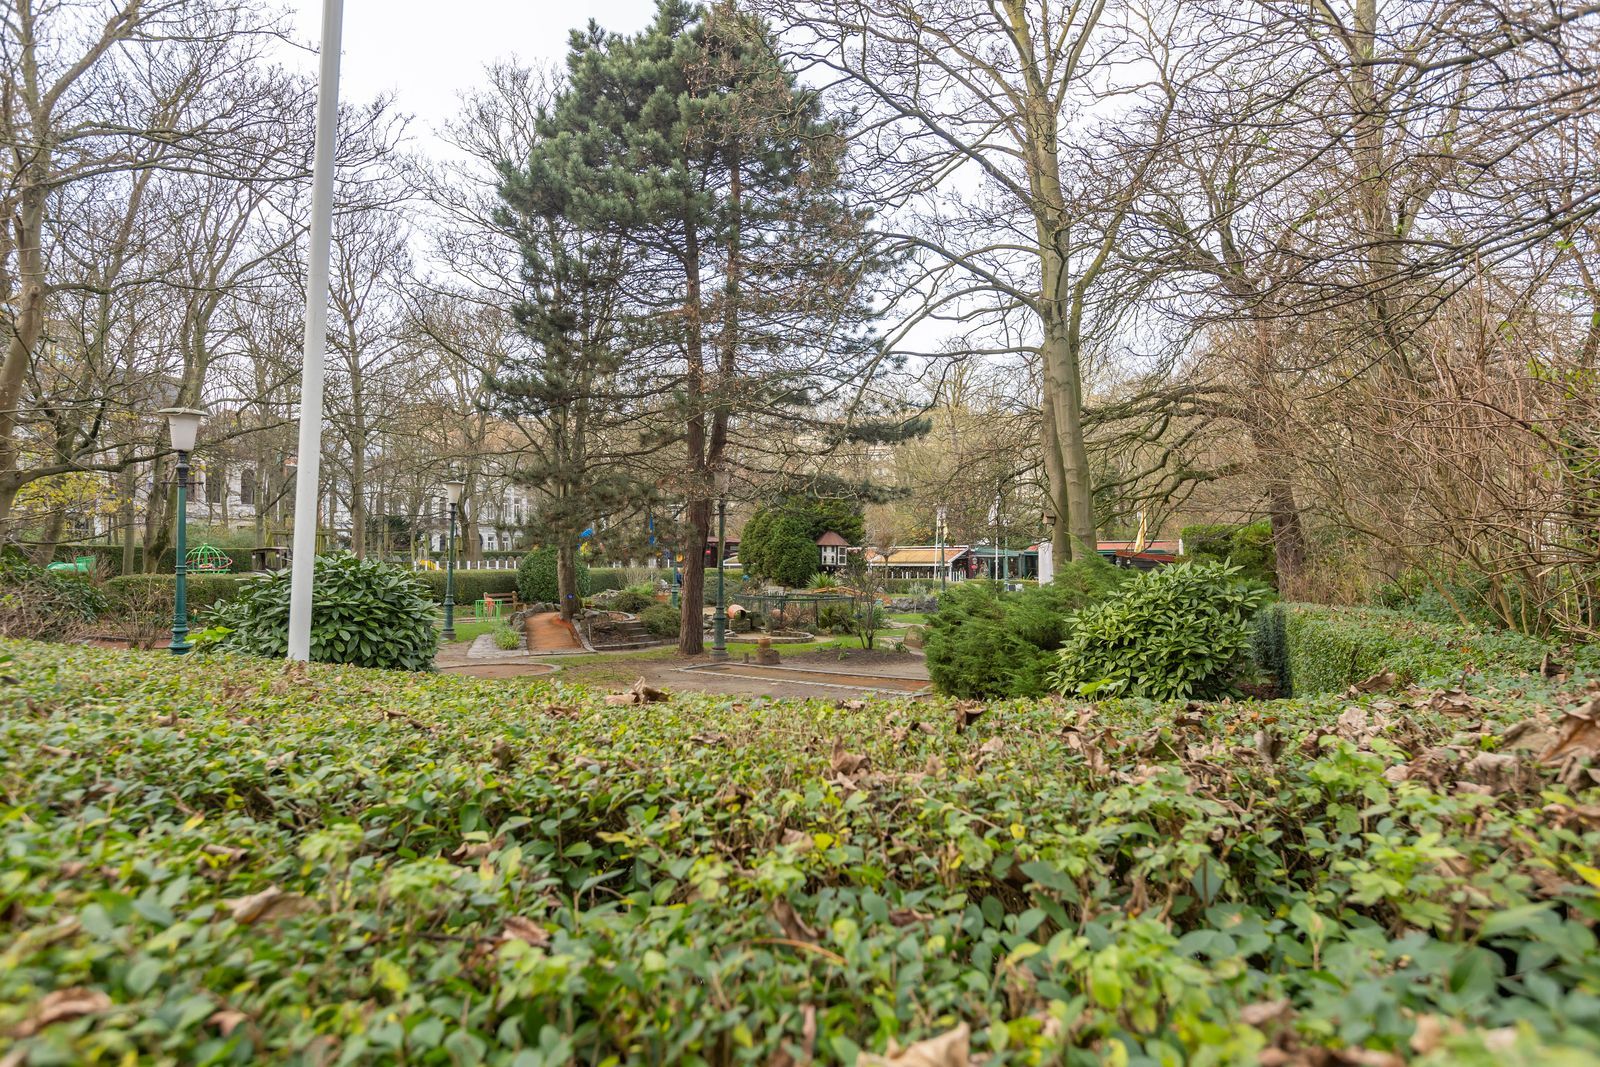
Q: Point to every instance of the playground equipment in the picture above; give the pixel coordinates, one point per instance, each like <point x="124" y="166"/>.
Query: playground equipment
<point x="81" y="565"/>
<point x="208" y="559"/>
<point x="425" y="565"/>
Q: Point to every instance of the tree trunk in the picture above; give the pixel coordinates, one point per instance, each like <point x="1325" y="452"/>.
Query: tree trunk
<point x="49" y="537"/>
<point x="692" y="617"/>
<point x="567" y="577"/>
<point x="129" y="480"/>
<point x="1288" y="534"/>
<point x="691" y="608"/>
<point x="358" y="494"/>
<point x="27" y="323"/>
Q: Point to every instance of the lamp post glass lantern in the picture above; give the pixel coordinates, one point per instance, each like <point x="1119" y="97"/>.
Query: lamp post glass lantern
<point x="183" y="429"/>
<point x="454" y="489"/>
<point x="719" y="619"/>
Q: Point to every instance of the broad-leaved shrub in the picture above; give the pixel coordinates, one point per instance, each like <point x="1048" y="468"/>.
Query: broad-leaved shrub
<point x="364" y="612"/>
<point x="1174" y="633"/>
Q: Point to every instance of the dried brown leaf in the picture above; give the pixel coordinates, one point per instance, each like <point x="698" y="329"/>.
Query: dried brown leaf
<point x="270" y="904"/>
<point x="790" y="922"/>
<point x="968" y="712"/>
<point x="1577" y="734"/>
<point x="224" y="852"/>
<point x="950" y="1049"/>
<point x="518" y="928"/>
<point x="226" y="1020"/>
<point x="799" y="840"/>
<point x="1381" y="682"/>
<point x="1497" y="770"/>
<point x="848" y="764"/>
<point x="909" y="917"/>
<point x="60" y="1006"/>
<point x="1263" y="1012"/>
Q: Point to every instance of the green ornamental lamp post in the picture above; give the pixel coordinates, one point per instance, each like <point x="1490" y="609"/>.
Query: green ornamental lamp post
<point x="183" y="427"/>
<point x="719" y="619"/>
<point x="455" y="489"/>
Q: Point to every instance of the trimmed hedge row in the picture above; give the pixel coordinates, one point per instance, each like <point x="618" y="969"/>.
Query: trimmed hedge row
<point x="1315" y="649"/>
<point x="202" y="591"/>
<point x="207" y="590"/>
<point x="109" y="558"/>
<point x="470" y="585"/>
<point x="246" y="862"/>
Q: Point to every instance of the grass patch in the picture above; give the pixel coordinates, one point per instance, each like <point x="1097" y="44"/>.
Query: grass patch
<point x="470" y="629"/>
<point x="238" y="861"/>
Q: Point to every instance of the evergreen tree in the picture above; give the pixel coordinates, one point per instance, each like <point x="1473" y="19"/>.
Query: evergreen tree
<point x="569" y="385"/>
<point x="748" y="265"/>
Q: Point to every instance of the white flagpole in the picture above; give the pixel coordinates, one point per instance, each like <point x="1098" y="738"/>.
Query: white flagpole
<point x="310" y="456"/>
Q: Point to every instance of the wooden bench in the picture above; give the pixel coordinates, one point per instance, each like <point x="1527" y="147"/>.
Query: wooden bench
<point x="495" y="601"/>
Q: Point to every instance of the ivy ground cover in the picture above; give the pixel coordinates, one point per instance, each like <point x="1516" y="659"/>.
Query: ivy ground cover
<point x="230" y="861"/>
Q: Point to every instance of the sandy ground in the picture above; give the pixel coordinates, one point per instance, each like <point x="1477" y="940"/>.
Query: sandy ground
<point x="549" y="632"/>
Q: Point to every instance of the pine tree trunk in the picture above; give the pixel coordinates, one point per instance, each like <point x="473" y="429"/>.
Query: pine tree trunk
<point x="567" y="578"/>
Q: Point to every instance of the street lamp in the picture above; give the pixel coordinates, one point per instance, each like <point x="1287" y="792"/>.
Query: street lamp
<point x="719" y="619"/>
<point x="455" y="489"/>
<point x="938" y="522"/>
<point x="183" y="426"/>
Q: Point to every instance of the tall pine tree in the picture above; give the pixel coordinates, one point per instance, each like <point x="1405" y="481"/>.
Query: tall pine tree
<point x="748" y="265"/>
<point x="569" y="389"/>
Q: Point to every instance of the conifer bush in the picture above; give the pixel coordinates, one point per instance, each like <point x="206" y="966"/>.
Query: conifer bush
<point x="983" y="642"/>
<point x="536" y="577"/>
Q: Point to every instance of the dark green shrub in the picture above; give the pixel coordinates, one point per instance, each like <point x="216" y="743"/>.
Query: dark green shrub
<point x="604" y="578"/>
<point x="201" y="591"/>
<point x="1269" y="646"/>
<point x="629" y="600"/>
<point x="662" y="620"/>
<point x="1247" y="547"/>
<point x="470" y="585"/>
<point x="366" y="613"/>
<point x="536" y="577"/>
<point x="836" y="618"/>
<point x="43" y="604"/>
<point x="1328" y="649"/>
<point x="986" y="643"/>
<point x="777" y="546"/>
<point x="1174" y="633"/>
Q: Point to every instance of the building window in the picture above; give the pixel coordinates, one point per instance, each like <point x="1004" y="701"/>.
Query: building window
<point x="216" y="484"/>
<point x="247" y="486"/>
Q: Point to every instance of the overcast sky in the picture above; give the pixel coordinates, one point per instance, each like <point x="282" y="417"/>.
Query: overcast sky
<point x="427" y="51"/>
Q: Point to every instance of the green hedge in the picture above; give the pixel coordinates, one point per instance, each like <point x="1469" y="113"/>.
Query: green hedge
<point x="232" y="862"/>
<point x="208" y="589"/>
<point x="202" y="591"/>
<point x="109" y="558"/>
<point x="1248" y="547"/>
<point x="470" y="585"/>
<point x="604" y="578"/>
<point x="1321" y="649"/>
